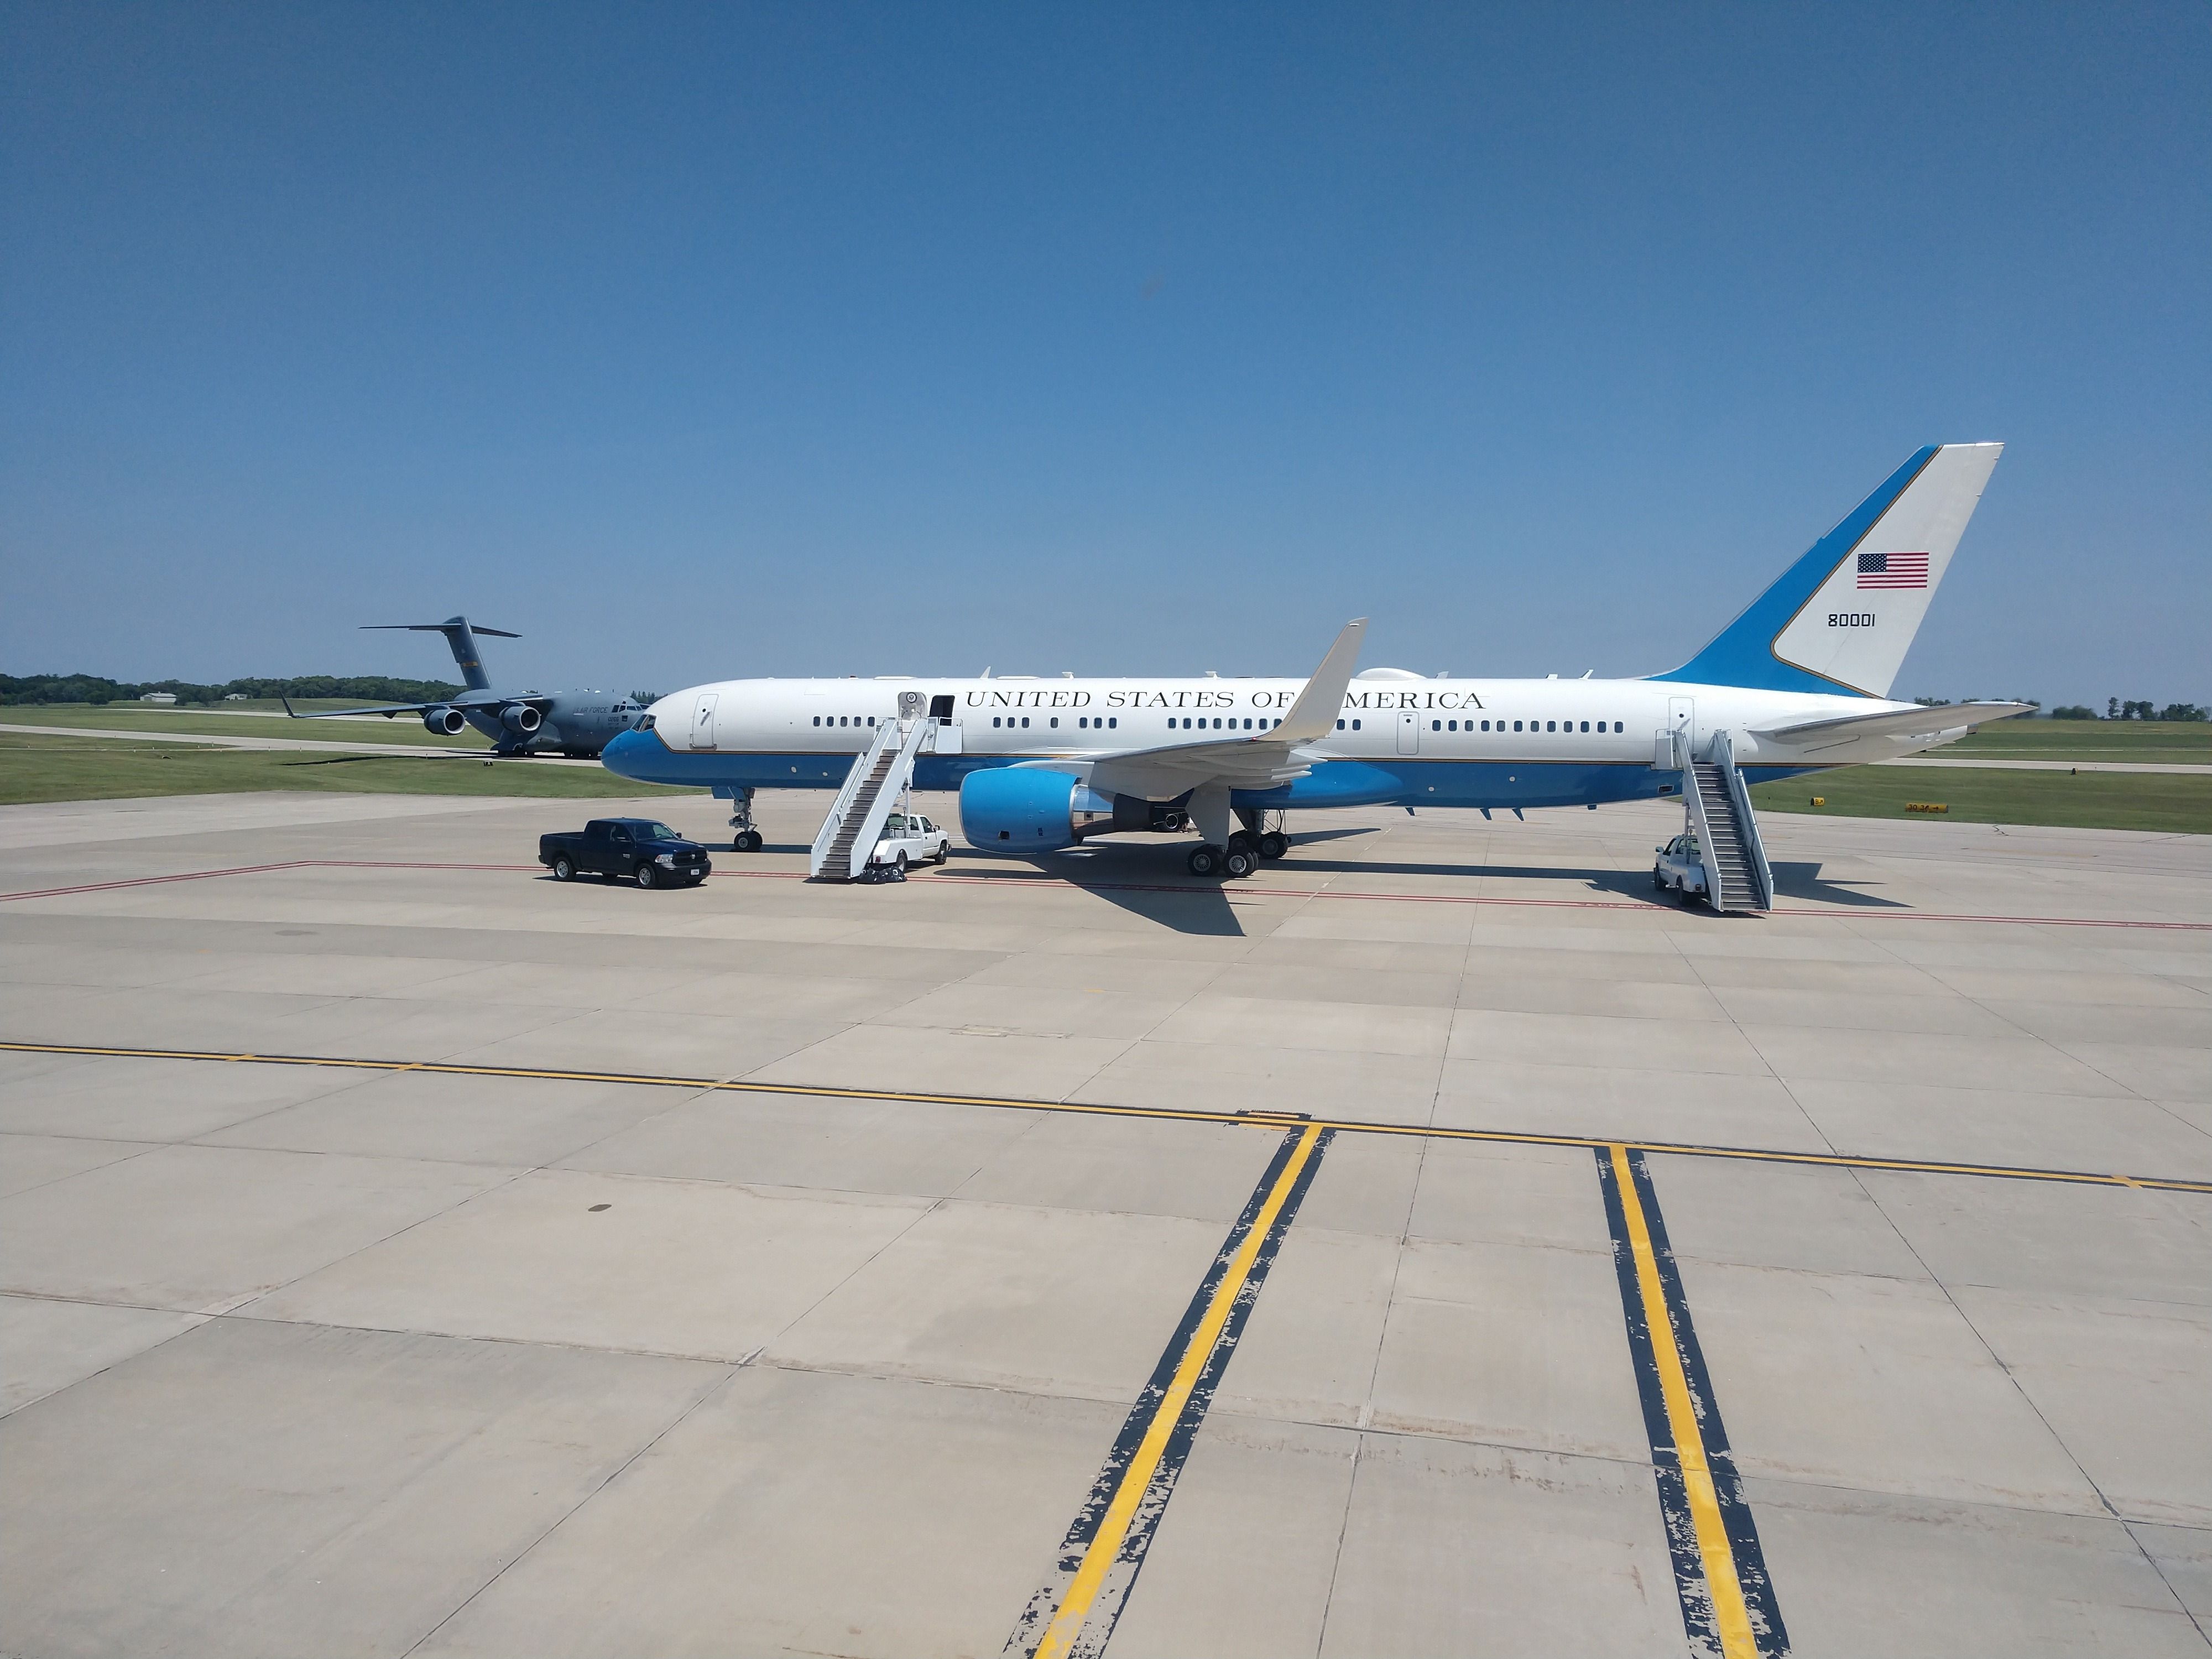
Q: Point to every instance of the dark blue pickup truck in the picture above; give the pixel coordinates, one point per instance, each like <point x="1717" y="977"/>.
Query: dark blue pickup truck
<point x="615" y="847"/>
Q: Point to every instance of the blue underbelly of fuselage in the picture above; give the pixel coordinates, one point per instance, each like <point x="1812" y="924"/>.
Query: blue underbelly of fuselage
<point x="1396" y="780"/>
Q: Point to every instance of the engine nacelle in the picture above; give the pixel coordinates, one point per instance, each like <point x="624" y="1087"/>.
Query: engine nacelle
<point x="521" y="718"/>
<point x="444" y="722"/>
<point x="1015" y="809"/>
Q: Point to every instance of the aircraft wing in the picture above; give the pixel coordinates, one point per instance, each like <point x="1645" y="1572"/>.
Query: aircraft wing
<point x="490" y="702"/>
<point x="1263" y="760"/>
<point x="1894" y="723"/>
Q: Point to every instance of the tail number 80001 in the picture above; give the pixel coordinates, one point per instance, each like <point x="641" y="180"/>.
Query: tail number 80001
<point x="1851" y="619"/>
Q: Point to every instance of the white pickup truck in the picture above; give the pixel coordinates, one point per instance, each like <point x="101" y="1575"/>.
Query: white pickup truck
<point x="910" y="838"/>
<point x="1680" y="866"/>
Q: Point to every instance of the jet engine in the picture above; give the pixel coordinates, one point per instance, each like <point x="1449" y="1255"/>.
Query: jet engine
<point x="521" y="718"/>
<point x="444" y="722"/>
<point x="1018" y="809"/>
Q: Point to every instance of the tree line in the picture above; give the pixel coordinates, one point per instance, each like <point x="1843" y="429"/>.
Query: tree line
<point x="96" y="689"/>
<point x="2115" y="710"/>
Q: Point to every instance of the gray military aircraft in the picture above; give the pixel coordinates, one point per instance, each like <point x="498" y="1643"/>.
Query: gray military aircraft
<point x="577" y="724"/>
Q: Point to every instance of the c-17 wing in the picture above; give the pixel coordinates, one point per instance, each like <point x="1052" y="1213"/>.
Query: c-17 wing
<point x="1263" y="760"/>
<point x="491" y="702"/>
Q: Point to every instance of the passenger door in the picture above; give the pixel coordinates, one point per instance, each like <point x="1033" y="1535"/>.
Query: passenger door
<point x="1409" y="733"/>
<point x="703" y="721"/>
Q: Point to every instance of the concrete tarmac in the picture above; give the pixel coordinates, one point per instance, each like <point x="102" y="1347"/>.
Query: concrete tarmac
<point x="1440" y="1242"/>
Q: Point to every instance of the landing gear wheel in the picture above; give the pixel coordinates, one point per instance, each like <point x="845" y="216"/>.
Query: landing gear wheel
<point x="563" y="870"/>
<point x="645" y="876"/>
<point x="748" y="840"/>
<point x="1274" y="844"/>
<point x="1239" y="862"/>
<point x="1205" y="860"/>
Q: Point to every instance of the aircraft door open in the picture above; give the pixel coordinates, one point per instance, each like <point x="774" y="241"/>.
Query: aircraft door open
<point x="703" y="721"/>
<point x="1409" y="733"/>
<point x="948" y="729"/>
<point x="1681" y="719"/>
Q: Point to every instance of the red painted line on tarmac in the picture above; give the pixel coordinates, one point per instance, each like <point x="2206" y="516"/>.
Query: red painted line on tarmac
<point x="1144" y="887"/>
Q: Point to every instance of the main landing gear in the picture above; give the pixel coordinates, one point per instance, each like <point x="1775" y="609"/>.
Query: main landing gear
<point x="1246" y="850"/>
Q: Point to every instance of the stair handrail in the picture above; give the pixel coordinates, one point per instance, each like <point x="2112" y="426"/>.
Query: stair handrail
<point x="1747" y="823"/>
<point x="912" y="735"/>
<point x="863" y="764"/>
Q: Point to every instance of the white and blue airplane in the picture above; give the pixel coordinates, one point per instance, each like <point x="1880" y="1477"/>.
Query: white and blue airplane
<point x="1798" y="683"/>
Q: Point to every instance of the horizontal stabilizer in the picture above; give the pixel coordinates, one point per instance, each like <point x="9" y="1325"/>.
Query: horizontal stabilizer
<point x="1919" y="720"/>
<point x="439" y="627"/>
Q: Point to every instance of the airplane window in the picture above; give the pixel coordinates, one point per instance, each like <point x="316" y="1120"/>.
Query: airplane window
<point x="1113" y="720"/>
<point x="1616" y="726"/>
<point x="1056" y="722"/>
<point x="1025" y="722"/>
<point x="1355" y="725"/>
<point x="817" y="720"/>
<point x="1248" y="726"/>
<point x="1339" y="726"/>
<point x="1081" y="722"/>
<point x="1551" y="725"/>
<point x="994" y="720"/>
<point x="1486" y="726"/>
<point x="1601" y="726"/>
<point x="1517" y="726"/>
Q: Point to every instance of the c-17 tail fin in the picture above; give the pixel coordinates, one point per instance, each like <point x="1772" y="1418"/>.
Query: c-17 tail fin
<point x="461" y="635"/>
<point x="1842" y="616"/>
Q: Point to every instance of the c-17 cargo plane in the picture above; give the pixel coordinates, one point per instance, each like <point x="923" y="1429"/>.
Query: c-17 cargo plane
<point x="573" y="723"/>
<point x="1798" y="683"/>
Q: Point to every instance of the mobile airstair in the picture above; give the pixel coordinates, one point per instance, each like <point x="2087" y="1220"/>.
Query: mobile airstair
<point x="1737" y="877"/>
<point x="871" y="788"/>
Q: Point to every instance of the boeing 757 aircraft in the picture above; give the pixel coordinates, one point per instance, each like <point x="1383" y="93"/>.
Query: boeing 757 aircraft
<point x="1797" y="683"/>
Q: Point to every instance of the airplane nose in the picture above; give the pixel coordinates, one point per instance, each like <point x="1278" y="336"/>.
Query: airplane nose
<point x="630" y="752"/>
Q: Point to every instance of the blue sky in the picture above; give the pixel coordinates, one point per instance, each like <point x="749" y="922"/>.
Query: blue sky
<point x="701" y="341"/>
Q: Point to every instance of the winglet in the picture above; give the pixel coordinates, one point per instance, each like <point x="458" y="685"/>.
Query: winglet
<point x="288" y="710"/>
<point x="1314" y="714"/>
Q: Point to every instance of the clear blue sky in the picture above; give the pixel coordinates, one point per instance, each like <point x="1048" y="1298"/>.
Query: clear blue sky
<point x="701" y="341"/>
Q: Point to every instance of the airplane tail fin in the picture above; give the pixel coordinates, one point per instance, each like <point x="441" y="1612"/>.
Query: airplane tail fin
<point x="461" y="637"/>
<point x="1842" y="616"/>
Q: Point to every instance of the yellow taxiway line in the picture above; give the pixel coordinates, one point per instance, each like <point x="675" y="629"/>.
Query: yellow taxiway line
<point x="1258" y="1119"/>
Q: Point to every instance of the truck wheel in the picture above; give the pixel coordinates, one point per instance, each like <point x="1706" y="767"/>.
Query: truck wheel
<point x="943" y="853"/>
<point x="563" y="869"/>
<point x="645" y="876"/>
<point x="900" y="862"/>
<point x="1658" y="880"/>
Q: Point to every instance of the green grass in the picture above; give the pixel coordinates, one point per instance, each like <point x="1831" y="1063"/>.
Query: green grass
<point x="209" y="723"/>
<point x="59" y="767"/>
<point x="2086" y="800"/>
<point x="2161" y="741"/>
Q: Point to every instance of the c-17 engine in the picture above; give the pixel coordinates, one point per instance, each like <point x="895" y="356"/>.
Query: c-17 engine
<point x="445" y="722"/>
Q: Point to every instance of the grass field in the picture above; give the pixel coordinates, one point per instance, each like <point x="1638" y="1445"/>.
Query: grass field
<point x="40" y="767"/>
<point x="2165" y="742"/>
<point x="2086" y="800"/>
<point x="211" y="723"/>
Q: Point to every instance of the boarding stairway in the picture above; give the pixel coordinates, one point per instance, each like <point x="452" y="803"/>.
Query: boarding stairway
<point x="1737" y="877"/>
<point x="871" y="788"/>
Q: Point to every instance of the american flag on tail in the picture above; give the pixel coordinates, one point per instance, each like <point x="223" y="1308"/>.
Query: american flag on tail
<point x="1893" y="570"/>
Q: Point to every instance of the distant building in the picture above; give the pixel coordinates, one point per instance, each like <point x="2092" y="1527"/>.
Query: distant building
<point x="158" y="697"/>
<point x="236" y="696"/>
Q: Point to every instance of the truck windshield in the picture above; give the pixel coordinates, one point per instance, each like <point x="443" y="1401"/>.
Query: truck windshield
<point x="658" y="832"/>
